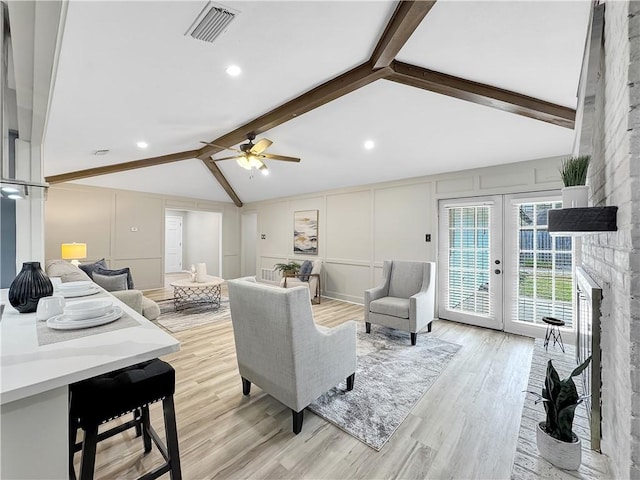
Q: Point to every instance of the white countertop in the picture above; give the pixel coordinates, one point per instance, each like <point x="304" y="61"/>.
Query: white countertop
<point x="28" y="369"/>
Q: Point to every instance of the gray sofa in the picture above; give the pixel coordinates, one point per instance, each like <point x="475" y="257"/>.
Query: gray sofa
<point x="406" y="298"/>
<point x="133" y="298"/>
<point x="282" y="350"/>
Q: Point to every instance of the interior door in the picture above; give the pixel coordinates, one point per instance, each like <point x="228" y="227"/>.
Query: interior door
<point x="470" y="253"/>
<point x="173" y="244"/>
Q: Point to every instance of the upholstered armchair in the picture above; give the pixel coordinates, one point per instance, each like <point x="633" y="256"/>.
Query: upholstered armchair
<point x="406" y="298"/>
<point x="282" y="350"/>
<point x="310" y="280"/>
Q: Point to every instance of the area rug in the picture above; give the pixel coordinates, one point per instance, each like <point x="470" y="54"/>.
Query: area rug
<point x="391" y="376"/>
<point x="191" y="317"/>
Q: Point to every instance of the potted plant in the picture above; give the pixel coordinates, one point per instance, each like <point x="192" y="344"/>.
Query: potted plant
<point x="556" y="440"/>
<point x="574" y="176"/>
<point x="287" y="269"/>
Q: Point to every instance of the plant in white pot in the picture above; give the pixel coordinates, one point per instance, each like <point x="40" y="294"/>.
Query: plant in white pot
<point x="556" y="440"/>
<point x="574" y="176"/>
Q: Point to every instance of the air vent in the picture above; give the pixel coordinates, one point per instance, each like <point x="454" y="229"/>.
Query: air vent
<point x="211" y="22"/>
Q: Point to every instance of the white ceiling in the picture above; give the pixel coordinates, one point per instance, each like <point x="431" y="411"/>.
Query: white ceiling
<point x="127" y="73"/>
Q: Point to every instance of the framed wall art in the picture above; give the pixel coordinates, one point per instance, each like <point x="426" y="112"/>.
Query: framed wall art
<point x="305" y="232"/>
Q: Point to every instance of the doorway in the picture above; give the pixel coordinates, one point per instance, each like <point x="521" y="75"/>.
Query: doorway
<point x="173" y="244"/>
<point x="503" y="270"/>
<point x="193" y="237"/>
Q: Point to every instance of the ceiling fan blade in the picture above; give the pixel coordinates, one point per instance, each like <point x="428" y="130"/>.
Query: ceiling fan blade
<point x="279" y="157"/>
<point x="260" y="146"/>
<point x="220" y="146"/>
<point x="226" y="158"/>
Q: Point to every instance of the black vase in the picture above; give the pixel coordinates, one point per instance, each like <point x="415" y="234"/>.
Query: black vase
<point x="29" y="286"/>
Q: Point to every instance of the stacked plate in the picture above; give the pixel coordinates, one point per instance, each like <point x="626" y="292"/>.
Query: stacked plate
<point x="89" y="313"/>
<point x="77" y="289"/>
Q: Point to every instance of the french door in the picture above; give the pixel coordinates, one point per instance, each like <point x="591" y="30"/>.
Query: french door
<point x="540" y="271"/>
<point x="499" y="267"/>
<point x="470" y="259"/>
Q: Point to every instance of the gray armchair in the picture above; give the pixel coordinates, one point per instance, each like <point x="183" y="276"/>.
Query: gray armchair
<point x="282" y="350"/>
<point x="406" y="298"/>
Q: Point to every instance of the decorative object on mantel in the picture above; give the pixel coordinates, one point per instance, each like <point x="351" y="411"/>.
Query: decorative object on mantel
<point x="574" y="176"/>
<point x="572" y="221"/>
<point x="29" y="286"/>
<point x="556" y="440"/>
<point x="305" y="232"/>
<point x="193" y="273"/>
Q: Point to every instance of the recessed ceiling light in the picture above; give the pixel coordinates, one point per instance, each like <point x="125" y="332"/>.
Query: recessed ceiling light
<point x="369" y="144"/>
<point x="142" y="144"/>
<point x="10" y="190"/>
<point x="233" y="70"/>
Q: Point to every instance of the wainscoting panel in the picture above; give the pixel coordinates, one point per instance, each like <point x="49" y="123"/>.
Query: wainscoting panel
<point x="138" y="226"/>
<point x="346" y="281"/>
<point x="507" y="179"/>
<point x="348" y="231"/>
<point x="407" y="206"/>
<point x="146" y="272"/>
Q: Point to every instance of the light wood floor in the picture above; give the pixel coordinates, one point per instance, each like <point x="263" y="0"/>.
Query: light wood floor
<point x="465" y="426"/>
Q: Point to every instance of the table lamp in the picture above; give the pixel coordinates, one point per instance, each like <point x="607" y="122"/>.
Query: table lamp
<point x="74" y="251"/>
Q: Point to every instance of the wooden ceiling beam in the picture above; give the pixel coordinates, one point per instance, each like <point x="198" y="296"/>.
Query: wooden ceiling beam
<point x="335" y="88"/>
<point x="404" y="21"/>
<point x="482" y="94"/>
<point x="122" y="167"/>
<point x="224" y="183"/>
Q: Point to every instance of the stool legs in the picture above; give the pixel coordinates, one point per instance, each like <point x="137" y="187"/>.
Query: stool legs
<point x="146" y="423"/>
<point x="142" y="423"/>
<point x="553" y="332"/>
<point x="168" y="409"/>
<point x="89" y="444"/>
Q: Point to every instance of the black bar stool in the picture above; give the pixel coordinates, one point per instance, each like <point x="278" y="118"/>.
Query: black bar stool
<point x="110" y="396"/>
<point x="553" y="331"/>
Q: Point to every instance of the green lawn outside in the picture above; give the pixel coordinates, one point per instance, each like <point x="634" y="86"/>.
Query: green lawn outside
<point x="564" y="286"/>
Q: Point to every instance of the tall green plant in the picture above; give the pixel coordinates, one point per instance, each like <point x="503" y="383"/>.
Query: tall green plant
<point x="560" y="399"/>
<point x="574" y="170"/>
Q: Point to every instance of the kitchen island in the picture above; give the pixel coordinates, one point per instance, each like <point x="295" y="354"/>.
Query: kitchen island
<point x="35" y="374"/>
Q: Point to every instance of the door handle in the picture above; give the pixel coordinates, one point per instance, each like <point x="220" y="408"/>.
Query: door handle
<point x="497" y="271"/>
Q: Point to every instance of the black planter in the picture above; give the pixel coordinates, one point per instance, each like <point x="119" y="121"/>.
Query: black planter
<point x="28" y="287"/>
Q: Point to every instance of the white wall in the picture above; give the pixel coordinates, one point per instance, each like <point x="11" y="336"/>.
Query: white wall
<point x="613" y="259"/>
<point x="201" y="241"/>
<point x="360" y="227"/>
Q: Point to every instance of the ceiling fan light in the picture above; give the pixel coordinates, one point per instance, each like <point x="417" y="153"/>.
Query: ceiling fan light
<point x="254" y="161"/>
<point x="264" y="169"/>
<point x="244" y="163"/>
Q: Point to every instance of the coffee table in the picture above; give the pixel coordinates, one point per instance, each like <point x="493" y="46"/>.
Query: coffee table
<point x="187" y="294"/>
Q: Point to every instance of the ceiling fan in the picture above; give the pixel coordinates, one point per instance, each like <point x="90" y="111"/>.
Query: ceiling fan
<point x="251" y="155"/>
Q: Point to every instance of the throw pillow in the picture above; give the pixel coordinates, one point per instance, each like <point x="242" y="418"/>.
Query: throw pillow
<point x="88" y="268"/>
<point x="111" y="283"/>
<point x="120" y="271"/>
<point x="305" y="270"/>
<point x="65" y="270"/>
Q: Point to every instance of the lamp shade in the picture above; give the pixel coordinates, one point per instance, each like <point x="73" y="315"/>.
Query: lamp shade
<point x="73" y="251"/>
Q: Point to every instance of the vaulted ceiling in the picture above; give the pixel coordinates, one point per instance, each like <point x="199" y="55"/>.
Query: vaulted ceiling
<point x="438" y="86"/>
